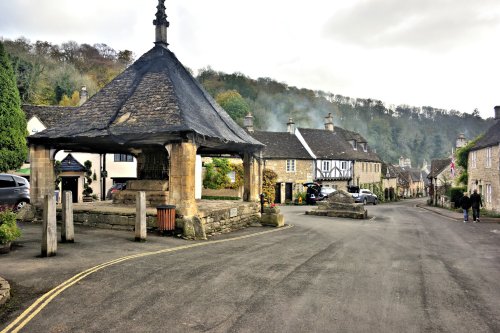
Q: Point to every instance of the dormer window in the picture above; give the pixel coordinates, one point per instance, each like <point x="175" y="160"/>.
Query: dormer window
<point x="354" y="144"/>
<point x="364" y="145"/>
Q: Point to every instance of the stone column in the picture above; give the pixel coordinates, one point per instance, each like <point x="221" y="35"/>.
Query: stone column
<point x="182" y="177"/>
<point x="67" y="227"/>
<point x="49" y="227"/>
<point x="42" y="178"/>
<point x="252" y="177"/>
<point x="140" y="217"/>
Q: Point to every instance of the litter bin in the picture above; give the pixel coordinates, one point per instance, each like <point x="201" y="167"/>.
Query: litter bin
<point x="165" y="216"/>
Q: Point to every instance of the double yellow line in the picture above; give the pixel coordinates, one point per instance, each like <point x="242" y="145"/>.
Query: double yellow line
<point x="25" y="317"/>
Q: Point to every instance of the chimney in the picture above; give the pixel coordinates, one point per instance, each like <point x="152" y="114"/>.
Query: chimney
<point x="329" y="123"/>
<point x="290" y="126"/>
<point x="161" y="24"/>
<point x="84" y="95"/>
<point x="497" y="112"/>
<point x="248" y="123"/>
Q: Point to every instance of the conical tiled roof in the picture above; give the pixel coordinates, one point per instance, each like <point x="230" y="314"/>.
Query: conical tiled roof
<point x="153" y="102"/>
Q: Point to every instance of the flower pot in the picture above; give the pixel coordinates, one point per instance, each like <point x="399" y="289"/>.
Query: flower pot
<point x="5" y="247"/>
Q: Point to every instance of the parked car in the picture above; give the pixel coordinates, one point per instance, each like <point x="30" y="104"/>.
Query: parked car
<point x="14" y="192"/>
<point x="115" y="188"/>
<point x="326" y="191"/>
<point x="364" y="196"/>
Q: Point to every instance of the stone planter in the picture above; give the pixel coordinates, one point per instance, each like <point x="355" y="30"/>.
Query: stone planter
<point x="271" y="210"/>
<point x="5" y="247"/>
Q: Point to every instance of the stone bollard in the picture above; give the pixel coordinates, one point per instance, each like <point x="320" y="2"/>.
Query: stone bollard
<point x="272" y="217"/>
<point x="140" y="217"/>
<point x="49" y="227"/>
<point x="67" y="227"/>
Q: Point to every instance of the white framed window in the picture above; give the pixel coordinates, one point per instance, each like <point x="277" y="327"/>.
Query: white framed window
<point x="325" y="166"/>
<point x="365" y="147"/>
<point x="473" y="159"/>
<point x="488" y="193"/>
<point x="488" y="157"/>
<point x="343" y="165"/>
<point x="290" y="165"/>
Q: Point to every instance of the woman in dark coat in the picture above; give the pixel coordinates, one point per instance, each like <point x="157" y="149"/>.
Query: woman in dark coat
<point x="465" y="203"/>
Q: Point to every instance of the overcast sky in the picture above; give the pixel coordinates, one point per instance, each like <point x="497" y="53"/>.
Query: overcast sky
<point x="440" y="53"/>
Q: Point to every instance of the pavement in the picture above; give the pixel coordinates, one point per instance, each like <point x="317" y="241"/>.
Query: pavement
<point x="31" y="276"/>
<point x="456" y="215"/>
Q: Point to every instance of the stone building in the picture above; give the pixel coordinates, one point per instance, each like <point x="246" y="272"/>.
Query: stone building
<point x="341" y="157"/>
<point x="285" y="155"/>
<point x="484" y="166"/>
<point x="156" y="111"/>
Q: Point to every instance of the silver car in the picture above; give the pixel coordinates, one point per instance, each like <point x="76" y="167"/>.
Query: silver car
<point x="14" y="192"/>
<point x="365" y="196"/>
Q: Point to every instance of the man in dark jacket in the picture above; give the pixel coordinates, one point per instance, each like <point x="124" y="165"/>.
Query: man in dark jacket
<point x="476" y="204"/>
<point x="465" y="203"/>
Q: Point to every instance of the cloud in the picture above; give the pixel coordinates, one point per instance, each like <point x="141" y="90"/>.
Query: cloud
<point x="432" y="25"/>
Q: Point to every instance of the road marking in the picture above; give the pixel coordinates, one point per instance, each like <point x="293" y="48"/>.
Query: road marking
<point x="25" y="317"/>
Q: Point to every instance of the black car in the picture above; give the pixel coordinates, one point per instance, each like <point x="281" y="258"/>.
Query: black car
<point x="14" y="192"/>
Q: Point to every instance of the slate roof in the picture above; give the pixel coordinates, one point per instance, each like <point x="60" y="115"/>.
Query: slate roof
<point x="69" y="163"/>
<point x="153" y="102"/>
<point x="490" y="138"/>
<point x="437" y="166"/>
<point x="281" y="145"/>
<point x="335" y="145"/>
<point x="389" y="171"/>
<point x="50" y="116"/>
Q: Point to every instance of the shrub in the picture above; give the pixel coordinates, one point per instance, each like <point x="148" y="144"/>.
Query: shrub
<point x="9" y="230"/>
<point x="455" y="193"/>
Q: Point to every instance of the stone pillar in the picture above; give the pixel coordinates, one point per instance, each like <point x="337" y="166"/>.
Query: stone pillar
<point x="140" y="217"/>
<point x="67" y="227"/>
<point x="42" y="178"/>
<point x="49" y="227"/>
<point x="252" y="177"/>
<point x="182" y="177"/>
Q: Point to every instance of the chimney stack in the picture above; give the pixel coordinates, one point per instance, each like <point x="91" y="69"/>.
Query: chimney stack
<point x="329" y="123"/>
<point x="248" y="123"/>
<point x="497" y="112"/>
<point x="290" y="126"/>
<point x="84" y="95"/>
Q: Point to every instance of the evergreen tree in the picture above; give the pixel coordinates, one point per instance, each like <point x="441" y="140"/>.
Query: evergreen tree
<point x="13" y="149"/>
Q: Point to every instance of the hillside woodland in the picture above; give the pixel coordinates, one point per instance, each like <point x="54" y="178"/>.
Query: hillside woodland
<point x="49" y="74"/>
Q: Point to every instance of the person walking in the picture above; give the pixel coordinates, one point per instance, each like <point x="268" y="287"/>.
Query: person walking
<point x="465" y="203"/>
<point x="476" y="204"/>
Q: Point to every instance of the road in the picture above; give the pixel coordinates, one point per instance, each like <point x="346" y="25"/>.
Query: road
<point x="404" y="270"/>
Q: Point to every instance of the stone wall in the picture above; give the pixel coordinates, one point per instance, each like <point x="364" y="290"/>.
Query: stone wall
<point x="232" y="217"/>
<point x="216" y="217"/>
<point x="480" y="176"/>
<point x="304" y="172"/>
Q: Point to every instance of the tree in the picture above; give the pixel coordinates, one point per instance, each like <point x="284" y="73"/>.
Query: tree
<point x="13" y="132"/>
<point x="234" y="104"/>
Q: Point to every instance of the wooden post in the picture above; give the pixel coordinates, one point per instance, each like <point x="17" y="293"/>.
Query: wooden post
<point x="67" y="228"/>
<point x="49" y="227"/>
<point x="140" y="217"/>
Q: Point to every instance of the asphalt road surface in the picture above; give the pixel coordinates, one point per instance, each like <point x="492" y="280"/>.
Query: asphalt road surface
<point x="403" y="270"/>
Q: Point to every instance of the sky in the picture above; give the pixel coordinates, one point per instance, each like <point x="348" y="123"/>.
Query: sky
<point x="439" y="53"/>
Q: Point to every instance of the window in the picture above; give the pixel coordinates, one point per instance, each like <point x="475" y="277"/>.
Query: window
<point x="488" y="157"/>
<point x="473" y="158"/>
<point x="343" y="165"/>
<point x="365" y="147"/>
<point x="232" y="176"/>
<point x="7" y="181"/>
<point x="290" y="165"/>
<point x="325" y="166"/>
<point x="355" y="145"/>
<point x="488" y="193"/>
<point x="124" y="158"/>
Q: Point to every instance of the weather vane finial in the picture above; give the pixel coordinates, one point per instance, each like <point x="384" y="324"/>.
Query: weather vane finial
<point x="161" y="23"/>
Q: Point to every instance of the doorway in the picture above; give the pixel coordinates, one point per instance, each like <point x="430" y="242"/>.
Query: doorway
<point x="70" y="184"/>
<point x="288" y="192"/>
